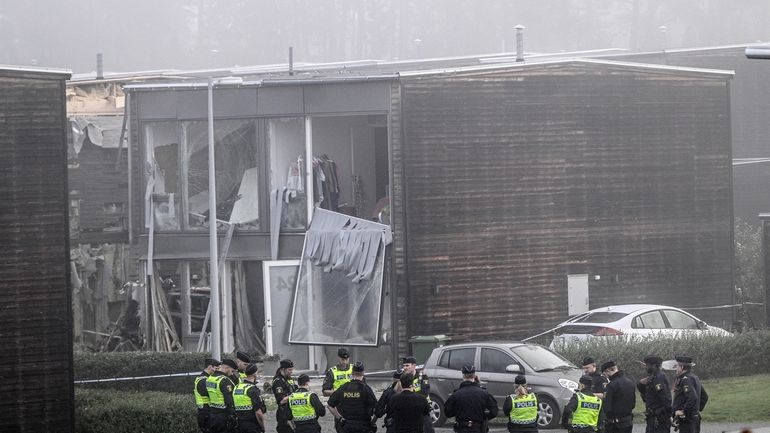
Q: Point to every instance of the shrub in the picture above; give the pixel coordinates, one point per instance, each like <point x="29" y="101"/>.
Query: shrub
<point x="715" y="356"/>
<point x="99" y="411"/>
<point x="134" y="364"/>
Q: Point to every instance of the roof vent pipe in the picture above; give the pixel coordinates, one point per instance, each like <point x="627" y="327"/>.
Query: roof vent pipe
<point x="291" y="60"/>
<point x="99" y="66"/>
<point x="519" y="43"/>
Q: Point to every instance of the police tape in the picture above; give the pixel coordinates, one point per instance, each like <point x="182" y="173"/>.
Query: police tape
<point x="194" y="373"/>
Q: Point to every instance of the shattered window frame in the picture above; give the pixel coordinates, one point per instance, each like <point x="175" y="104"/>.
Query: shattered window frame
<point x="308" y="320"/>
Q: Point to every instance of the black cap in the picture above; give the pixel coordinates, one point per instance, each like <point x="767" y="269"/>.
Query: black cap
<point x="653" y="360"/>
<point x="587" y="380"/>
<point x="410" y="360"/>
<point x="251" y="369"/>
<point x="588" y="360"/>
<point x="230" y="363"/>
<point x="212" y="361"/>
<point x="468" y="369"/>
<point x="286" y="363"/>
<point x="343" y="353"/>
<point x="242" y="356"/>
<point x="303" y="379"/>
<point x="358" y="367"/>
<point x="397" y="373"/>
<point x="608" y="365"/>
<point x="683" y="359"/>
<point x="520" y="380"/>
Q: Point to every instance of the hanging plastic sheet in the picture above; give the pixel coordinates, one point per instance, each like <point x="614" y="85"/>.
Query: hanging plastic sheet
<point x="339" y="289"/>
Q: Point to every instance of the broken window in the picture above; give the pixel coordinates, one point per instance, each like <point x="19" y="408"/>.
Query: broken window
<point x="237" y="173"/>
<point x="162" y="175"/>
<point x="286" y="138"/>
<point x="339" y="289"/>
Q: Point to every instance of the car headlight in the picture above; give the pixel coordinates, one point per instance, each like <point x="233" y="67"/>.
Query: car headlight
<point x="569" y="384"/>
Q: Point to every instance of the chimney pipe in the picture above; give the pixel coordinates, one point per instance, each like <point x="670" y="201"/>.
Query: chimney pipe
<point x="99" y="66"/>
<point x="520" y="43"/>
<point x="291" y="60"/>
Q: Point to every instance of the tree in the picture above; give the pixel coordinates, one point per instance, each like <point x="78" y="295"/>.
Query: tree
<point x="748" y="261"/>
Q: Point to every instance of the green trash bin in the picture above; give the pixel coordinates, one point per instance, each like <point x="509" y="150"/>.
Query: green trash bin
<point x="423" y="345"/>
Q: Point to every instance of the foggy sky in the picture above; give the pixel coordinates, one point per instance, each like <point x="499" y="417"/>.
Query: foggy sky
<point x="145" y="35"/>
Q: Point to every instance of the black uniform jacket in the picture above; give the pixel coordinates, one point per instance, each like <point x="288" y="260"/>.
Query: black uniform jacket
<point x="689" y="395"/>
<point x="656" y="394"/>
<point x="355" y="401"/>
<point x="382" y="404"/>
<point x="469" y="403"/>
<point x="408" y="410"/>
<point x="620" y="398"/>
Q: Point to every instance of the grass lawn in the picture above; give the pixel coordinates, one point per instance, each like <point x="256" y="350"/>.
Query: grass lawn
<point x="738" y="399"/>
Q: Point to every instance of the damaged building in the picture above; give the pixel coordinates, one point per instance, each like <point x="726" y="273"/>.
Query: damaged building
<point x="498" y="184"/>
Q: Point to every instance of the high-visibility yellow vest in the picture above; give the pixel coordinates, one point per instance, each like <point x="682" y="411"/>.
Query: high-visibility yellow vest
<point x="301" y="409"/>
<point x="587" y="412"/>
<point x="523" y="409"/>
<point x="216" y="398"/>
<point x="241" y="399"/>
<point x="200" y="400"/>
<point x="341" y="377"/>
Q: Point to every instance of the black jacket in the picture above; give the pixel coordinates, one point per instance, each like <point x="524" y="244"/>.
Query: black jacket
<point x="408" y="409"/>
<point x="689" y="395"/>
<point x="656" y="394"/>
<point x="355" y="401"/>
<point x="471" y="403"/>
<point x="620" y="398"/>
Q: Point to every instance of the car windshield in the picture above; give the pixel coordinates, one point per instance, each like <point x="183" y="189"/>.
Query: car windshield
<point x="540" y="358"/>
<point x="601" y="317"/>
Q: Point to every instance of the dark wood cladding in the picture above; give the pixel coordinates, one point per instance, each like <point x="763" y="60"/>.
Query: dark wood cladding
<point x="516" y="178"/>
<point x="35" y="303"/>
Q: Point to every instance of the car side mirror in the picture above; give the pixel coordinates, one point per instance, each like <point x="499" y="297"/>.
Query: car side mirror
<point x="513" y="368"/>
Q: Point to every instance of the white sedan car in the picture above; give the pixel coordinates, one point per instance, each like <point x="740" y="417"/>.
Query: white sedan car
<point x="642" y="320"/>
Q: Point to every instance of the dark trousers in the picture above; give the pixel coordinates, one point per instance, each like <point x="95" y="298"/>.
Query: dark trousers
<point x="219" y="422"/>
<point x="203" y="419"/>
<point x="522" y="428"/>
<point x="618" y="428"/>
<point x="249" y="426"/>
<point x="655" y="425"/>
<point x="690" y="425"/>
<point x="282" y="419"/>
<point x="307" y="427"/>
<point x="337" y="426"/>
<point x="356" y="427"/>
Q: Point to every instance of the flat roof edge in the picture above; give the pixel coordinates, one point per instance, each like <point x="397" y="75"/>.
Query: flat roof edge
<point x="525" y="64"/>
<point x="33" y="70"/>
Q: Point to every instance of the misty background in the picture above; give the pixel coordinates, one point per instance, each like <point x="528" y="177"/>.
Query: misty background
<point x="142" y="35"/>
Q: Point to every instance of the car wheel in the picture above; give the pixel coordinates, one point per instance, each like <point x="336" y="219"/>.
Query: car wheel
<point x="548" y="415"/>
<point x="437" y="415"/>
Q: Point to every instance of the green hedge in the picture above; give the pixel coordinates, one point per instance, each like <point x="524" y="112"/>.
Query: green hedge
<point x="99" y="411"/>
<point x="90" y="365"/>
<point x="715" y="357"/>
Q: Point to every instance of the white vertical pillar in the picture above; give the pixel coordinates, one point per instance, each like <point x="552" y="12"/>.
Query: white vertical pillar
<point x="216" y="335"/>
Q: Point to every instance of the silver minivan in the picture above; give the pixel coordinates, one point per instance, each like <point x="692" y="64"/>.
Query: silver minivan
<point x="549" y="375"/>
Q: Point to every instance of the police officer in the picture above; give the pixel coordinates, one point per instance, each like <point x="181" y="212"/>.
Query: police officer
<point x="283" y="385"/>
<point x="202" y="396"/>
<point x="249" y="405"/>
<point x="521" y="408"/>
<point x="337" y="376"/>
<point x="470" y="405"/>
<point x="408" y="409"/>
<point x="353" y="404"/>
<point x="583" y="413"/>
<point x="220" y="390"/>
<point x="305" y="407"/>
<point x="619" y="400"/>
<point x="421" y="385"/>
<point x="689" y="396"/>
<point x="242" y="360"/>
<point x="600" y="382"/>
<point x="382" y="404"/>
<point x="656" y="394"/>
